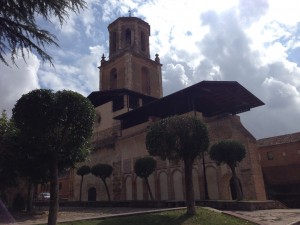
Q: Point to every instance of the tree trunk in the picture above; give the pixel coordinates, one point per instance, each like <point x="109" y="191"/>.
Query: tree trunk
<point x="80" y="188"/>
<point x="189" y="189"/>
<point x="107" y="191"/>
<point x="239" y="194"/>
<point x="149" y="189"/>
<point x="30" y="197"/>
<point x="53" y="207"/>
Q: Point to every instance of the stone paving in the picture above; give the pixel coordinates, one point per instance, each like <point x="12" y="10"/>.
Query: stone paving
<point x="261" y="217"/>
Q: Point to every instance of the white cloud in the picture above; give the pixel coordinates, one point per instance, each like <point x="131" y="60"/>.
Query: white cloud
<point x="16" y="81"/>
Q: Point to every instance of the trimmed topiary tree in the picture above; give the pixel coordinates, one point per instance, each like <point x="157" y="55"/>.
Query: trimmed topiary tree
<point x="143" y="168"/>
<point x="179" y="138"/>
<point x="229" y="152"/>
<point x="103" y="171"/>
<point x="82" y="171"/>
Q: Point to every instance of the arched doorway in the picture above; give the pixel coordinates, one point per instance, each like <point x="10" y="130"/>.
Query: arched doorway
<point x="92" y="194"/>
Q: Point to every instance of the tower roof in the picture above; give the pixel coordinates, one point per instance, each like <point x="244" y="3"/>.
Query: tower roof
<point x="209" y="97"/>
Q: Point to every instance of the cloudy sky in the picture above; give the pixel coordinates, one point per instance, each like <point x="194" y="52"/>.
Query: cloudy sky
<point x="254" y="42"/>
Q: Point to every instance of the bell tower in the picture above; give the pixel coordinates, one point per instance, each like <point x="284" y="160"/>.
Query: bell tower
<point x="129" y="65"/>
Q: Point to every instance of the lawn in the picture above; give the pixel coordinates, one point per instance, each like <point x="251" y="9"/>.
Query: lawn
<point x="176" y="217"/>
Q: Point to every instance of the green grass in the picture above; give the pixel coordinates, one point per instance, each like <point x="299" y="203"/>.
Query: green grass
<point x="176" y="217"/>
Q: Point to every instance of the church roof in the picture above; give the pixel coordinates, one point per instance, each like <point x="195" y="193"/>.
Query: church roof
<point x="209" y="97"/>
<point x="278" y="140"/>
<point x="101" y="97"/>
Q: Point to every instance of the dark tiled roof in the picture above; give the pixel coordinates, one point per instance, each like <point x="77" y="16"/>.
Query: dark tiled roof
<point x="277" y="140"/>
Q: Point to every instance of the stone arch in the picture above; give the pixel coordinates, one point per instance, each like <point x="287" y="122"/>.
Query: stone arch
<point x="128" y="188"/>
<point x="146" y="87"/>
<point x="212" y="183"/>
<point x="127" y="37"/>
<point x="196" y="184"/>
<point x="143" y="41"/>
<point x="139" y="188"/>
<point x="163" y="186"/>
<point x="151" y="180"/>
<point x="178" y="185"/>
<point x="92" y="194"/>
<point x="113" y="79"/>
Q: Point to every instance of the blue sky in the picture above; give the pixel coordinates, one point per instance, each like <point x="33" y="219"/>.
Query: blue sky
<point x="254" y="42"/>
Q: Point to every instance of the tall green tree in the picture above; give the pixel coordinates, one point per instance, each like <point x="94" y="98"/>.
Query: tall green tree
<point x="229" y="152"/>
<point x="143" y="168"/>
<point x="103" y="171"/>
<point x="19" y="29"/>
<point x="82" y="171"/>
<point x="8" y="160"/>
<point x="58" y="126"/>
<point x="179" y="138"/>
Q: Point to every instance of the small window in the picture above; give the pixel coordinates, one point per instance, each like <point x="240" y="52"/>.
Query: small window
<point x="128" y="37"/>
<point x="118" y="103"/>
<point x="133" y="102"/>
<point x="270" y="155"/>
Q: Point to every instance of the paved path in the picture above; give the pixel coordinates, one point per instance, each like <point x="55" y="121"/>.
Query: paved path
<point x="261" y="217"/>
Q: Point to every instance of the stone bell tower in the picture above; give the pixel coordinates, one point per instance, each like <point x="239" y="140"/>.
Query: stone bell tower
<point x="129" y="65"/>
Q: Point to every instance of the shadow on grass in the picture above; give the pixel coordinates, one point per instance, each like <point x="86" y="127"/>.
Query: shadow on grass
<point x="150" y="219"/>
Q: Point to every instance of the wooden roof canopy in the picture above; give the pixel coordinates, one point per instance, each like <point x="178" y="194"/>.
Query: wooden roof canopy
<point x="209" y="97"/>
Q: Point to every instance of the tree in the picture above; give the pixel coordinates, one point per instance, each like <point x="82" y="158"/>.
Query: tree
<point x="103" y="171"/>
<point x="82" y="171"/>
<point x="19" y="29"/>
<point x="179" y="137"/>
<point x="58" y="126"/>
<point x="229" y="152"/>
<point x="8" y="171"/>
<point x="143" y="168"/>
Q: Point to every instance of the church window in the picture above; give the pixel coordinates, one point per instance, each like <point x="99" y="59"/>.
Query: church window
<point x="113" y="42"/>
<point x="143" y="42"/>
<point x="128" y="37"/>
<point x="118" y="103"/>
<point x="270" y="155"/>
<point x="113" y="78"/>
<point x="146" y="89"/>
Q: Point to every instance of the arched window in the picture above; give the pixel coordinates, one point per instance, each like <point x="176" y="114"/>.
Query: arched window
<point x="113" y="42"/>
<point x="143" y="42"/>
<point x="113" y="79"/>
<point x="146" y="88"/>
<point x="128" y="37"/>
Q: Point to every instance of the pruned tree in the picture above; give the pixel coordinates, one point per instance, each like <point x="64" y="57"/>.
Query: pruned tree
<point x="58" y="126"/>
<point x="229" y="152"/>
<point x="19" y="29"/>
<point x="82" y="171"/>
<point x="103" y="171"/>
<point x="179" y="138"/>
<point x="143" y="168"/>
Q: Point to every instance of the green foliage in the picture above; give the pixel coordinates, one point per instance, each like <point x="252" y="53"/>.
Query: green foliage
<point x="55" y="124"/>
<point x="177" y="137"/>
<point x="83" y="170"/>
<point x="144" y="167"/>
<point x="19" y="29"/>
<point x="102" y="170"/>
<point x="228" y="151"/>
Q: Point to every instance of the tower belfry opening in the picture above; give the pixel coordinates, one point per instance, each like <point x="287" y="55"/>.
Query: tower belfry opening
<point x="129" y="65"/>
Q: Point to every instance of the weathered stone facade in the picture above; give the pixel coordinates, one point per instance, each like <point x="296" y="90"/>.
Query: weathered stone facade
<point x="127" y="80"/>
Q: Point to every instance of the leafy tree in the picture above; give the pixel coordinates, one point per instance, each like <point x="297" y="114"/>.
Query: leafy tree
<point x="82" y="171"/>
<point x="58" y="126"/>
<point x="229" y="152"/>
<point x="179" y="137"/>
<point x="143" y="168"/>
<point x="19" y="29"/>
<point x="8" y="160"/>
<point x="103" y="171"/>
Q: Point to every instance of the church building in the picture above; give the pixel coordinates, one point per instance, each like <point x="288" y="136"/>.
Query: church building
<point x="130" y="99"/>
